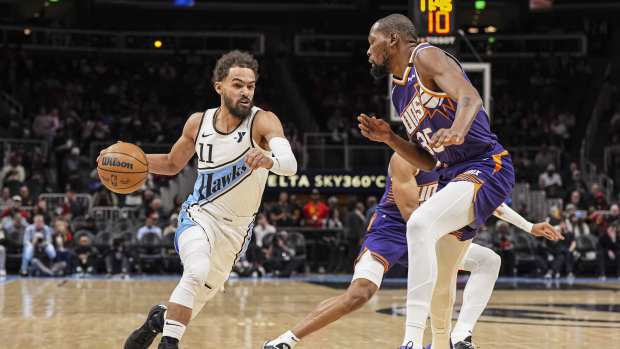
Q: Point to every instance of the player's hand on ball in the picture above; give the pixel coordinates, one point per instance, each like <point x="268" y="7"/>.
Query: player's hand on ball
<point x="374" y="129"/>
<point x="545" y="230"/>
<point x="255" y="159"/>
<point x="446" y="136"/>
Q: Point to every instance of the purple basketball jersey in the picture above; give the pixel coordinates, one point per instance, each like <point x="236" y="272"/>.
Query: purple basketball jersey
<point x="424" y="111"/>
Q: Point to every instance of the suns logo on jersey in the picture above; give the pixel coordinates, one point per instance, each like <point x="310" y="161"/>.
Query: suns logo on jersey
<point x="413" y="114"/>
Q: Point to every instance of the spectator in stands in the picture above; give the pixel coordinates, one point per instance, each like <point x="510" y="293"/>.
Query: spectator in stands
<point x="551" y="182"/>
<point x="104" y="197"/>
<point x="562" y="253"/>
<point x="37" y="235"/>
<point x="315" y="211"/>
<point x="576" y="224"/>
<point x="544" y="157"/>
<point x="262" y="229"/>
<point x="600" y="203"/>
<point x="71" y="170"/>
<point x="155" y="207"/>
<point x="371" y="204"/>
<point x="577" y="201"/>
<point x="15" y="206"/>
<point x="608" y="254"/>
<point x="42" y="263"/>
<point x="24" y="192"/>
<point x="297" y="214"/>
<point x="41" y="209"/>
<point x="14" y="226"/>
<point x="504" y="243"/>
<point x="5" y="196"/>
<point x="171" y="228"/>
<point x="280" y="256"/>
<point x="13" y="174"/>
<point x="281" y="212"/>
<point x="119" y="258"/>
<point x="355" y="227"/>
<point x="149" y="227"/>
<point x="576" y="183"/>
<point x="595" y="199"/>
<point x="333" y="221"/>
<point x="63" y="243"/>
<point x="86" y="255"/>
<point x="46" y="124"/>
<point x="72" y="207"/>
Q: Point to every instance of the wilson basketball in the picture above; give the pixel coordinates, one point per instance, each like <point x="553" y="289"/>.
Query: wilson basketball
<point x="122" y="168"/>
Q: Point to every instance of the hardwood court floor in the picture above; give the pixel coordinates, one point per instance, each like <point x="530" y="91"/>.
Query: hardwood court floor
<point x="99" y="314"/>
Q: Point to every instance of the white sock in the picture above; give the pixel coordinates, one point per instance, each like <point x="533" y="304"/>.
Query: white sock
<point x="287" y="337"/>
<point x="173" y="329"/>
<point x="484" y="265"/>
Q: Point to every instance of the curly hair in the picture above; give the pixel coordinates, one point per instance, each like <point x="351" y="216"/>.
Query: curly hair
<point x="231" y="59"/>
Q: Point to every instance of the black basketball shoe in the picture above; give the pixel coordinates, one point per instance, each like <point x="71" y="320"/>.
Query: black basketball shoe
<point x="465" y="344"/>
<point x="266" y="345"/>
<point x="168" y="344"/>
<point x="145" y="334"/>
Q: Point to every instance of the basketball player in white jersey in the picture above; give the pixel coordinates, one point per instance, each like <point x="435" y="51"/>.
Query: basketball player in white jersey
<point x="385" y="245"/>
<point x="237" y="145"/>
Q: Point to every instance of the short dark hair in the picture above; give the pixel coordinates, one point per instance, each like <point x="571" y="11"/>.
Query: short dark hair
<point x="231" y="59"/>
<point x="397" y="23"/>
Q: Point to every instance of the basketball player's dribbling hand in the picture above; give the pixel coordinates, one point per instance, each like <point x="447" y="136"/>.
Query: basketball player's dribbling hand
<point x="545" y="230"/>
<point x="446" y="136"/>
<point x="374" y="129"/>
<point x="255" y="159"/>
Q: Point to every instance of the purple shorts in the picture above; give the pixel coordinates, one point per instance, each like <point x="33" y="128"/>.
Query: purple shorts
<point x="494" y="179"/>
<point x="386" y="239"/>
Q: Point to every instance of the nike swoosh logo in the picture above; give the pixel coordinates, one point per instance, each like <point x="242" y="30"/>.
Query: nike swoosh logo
<point x="206" y="134"/>
<point x="171" y="324"/>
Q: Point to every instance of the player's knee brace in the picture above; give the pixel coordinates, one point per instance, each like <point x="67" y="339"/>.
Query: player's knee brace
<point x="193" y="280"/>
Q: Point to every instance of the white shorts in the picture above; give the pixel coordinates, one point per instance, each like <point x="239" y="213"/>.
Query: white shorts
<point x="227" y="239"/>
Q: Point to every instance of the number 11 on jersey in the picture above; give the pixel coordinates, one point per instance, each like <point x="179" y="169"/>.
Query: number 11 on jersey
<point x="209" y="151"/>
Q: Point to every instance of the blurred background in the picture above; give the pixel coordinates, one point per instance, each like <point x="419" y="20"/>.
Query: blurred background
<point x="78" y="75"/>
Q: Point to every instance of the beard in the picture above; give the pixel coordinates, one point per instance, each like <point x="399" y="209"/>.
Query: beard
<point x="237" y="109"/>
<point x="379" y="71"/>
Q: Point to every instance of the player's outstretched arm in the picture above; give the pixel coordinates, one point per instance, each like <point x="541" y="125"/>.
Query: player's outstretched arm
<point x="404" y="186"/>
<point x="268" y="131"/>
<point x="182" y="151"/>
<point x="435" y="65"/>
<point x="544" y="229"/>
<point x="380" y="131"/>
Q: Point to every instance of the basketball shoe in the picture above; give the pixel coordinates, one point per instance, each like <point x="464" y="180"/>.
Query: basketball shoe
<point x="266" y="345"/>
<point x="168" y="345"/>
<point x="465" y="344"/>
<point x="142" y="337"/>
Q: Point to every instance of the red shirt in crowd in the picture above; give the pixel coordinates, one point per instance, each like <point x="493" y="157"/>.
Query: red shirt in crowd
<point x="316" y="213"/>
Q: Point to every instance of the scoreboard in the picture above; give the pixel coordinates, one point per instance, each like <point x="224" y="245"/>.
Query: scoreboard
<point x="435" y="21"/>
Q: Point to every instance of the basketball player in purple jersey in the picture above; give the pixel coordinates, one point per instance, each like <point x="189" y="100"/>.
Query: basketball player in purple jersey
<point x="385" y="245"/>
<point x="450" y="130"/>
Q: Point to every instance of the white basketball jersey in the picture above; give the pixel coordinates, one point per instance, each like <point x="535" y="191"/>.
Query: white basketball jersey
<point x="225" y="185"/>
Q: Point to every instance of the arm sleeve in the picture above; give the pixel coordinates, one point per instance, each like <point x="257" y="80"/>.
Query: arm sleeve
<point x="507" y="214"/>
<point x="284" y="162"/>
